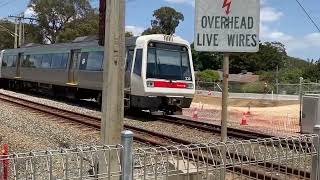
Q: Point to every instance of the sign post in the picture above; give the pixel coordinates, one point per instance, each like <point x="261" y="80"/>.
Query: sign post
<point x="227" y="26"/>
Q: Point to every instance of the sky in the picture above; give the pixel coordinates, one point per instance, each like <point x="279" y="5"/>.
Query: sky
<point x="281" y="20"/>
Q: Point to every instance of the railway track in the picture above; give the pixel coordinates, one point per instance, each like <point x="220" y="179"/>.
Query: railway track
<point x="213" y="128"/>
<point x="151" y="137"/>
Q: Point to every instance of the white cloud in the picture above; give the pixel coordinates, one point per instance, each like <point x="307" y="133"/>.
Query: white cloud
<point x="192" y="2"/>
<point x="136" y="30"/>
<point x="29" y="12"/>
<point x="269" y="14"/>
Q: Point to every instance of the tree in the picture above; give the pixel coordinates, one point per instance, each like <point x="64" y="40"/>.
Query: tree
<point x="270" y="56"/>
<point x="32" y="34"/>
<point x="166" y="21"/>
<point x="6" y="32"/>
<point x="208" y="76"/>
<point x="54" y="15"/>
<point x="86" y="26"/>
<point x="129" y="34"/>
<point x="206" y="60"/>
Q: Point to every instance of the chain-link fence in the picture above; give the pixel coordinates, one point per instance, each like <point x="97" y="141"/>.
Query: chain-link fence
<point x="275" y="158"/>
<point x="260" y="87"/>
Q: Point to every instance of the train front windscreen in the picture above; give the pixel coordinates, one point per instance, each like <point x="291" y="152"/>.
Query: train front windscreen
<point x="167" y="61"/>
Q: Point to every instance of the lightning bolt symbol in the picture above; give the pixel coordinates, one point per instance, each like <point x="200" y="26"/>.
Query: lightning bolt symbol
<point x="227" y="5"/>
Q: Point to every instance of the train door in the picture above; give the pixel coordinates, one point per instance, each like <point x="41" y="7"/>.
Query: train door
<point x="73" y="66"/>
<point x="18" y="64"/>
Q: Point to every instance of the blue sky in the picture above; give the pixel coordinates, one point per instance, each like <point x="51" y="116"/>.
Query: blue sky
<point x="281" y="20"/>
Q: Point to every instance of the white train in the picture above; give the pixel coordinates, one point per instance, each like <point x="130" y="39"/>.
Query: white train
<point x="159" y="72"/>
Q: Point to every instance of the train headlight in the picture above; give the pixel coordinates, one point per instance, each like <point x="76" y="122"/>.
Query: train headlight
<point x="150" y="84"/>
<point x="190" y="86"/>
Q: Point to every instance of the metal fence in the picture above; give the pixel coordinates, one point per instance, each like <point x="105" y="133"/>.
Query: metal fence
<point x="285" y="89"/>
<point x="276" y="158"/>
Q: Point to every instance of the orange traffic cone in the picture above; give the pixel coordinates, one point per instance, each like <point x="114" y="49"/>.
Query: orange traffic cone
<point x="244" y="120"/>
<point x="195" y="114"/>
<point x="209" y="93"/>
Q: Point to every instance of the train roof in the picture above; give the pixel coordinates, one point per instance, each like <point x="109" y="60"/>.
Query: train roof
<point x="78" y="43"/>
<point x="91" y="43"/>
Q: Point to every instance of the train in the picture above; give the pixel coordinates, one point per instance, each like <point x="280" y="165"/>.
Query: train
<point x="159" y="74"/>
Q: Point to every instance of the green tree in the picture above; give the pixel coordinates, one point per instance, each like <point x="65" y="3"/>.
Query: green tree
<point x="54" y="15"/>
<point x="32" y="34"/>
<point x="6" y="34"/>
<point x="208" y="76"/>
<point x="206" y="60"/>
<point x="86" y="26"/>
<point x="129" y="34"/>
<point x="166" y="21"/>
<point x="270" y="56"/>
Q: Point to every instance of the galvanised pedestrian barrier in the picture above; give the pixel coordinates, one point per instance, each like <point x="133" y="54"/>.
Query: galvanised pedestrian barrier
<point x="275" y="158"/>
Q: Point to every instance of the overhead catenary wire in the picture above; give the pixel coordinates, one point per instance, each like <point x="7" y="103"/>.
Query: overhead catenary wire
<point x="305" y="11"/>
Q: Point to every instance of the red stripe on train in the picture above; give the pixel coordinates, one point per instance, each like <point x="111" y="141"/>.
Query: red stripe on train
<point x="170" y="84"/>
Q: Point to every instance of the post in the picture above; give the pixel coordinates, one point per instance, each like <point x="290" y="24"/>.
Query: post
<point x="126" y="155"/>
<point x="15" y="34"/>
<point x="20" y="32"/>
<point x="315" y="175"/>
<point x="300" y="99"/>
<point x="225" y="94"/>
<point x="224" y="113"/>
<point x="277" y="80"/>
<point x="113" y="78"/>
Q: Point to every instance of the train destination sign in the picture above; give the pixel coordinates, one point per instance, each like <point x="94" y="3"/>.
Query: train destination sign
<point x="227" y="25"/>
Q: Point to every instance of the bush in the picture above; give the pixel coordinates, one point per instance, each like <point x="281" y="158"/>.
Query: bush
<point x="256" y="88"/>
<point x="208" y="76"/>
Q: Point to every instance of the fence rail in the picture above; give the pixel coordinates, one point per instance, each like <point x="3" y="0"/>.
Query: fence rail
<point x="275" y="158"/>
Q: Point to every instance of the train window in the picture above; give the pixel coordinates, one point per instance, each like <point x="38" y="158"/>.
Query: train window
<point x="138" y="62"/>
<point x="5" y="61"/>
<point x="95" y="60"/>
<point x="46" y="61"/>
<point x="64" y="60"/>
<point x="36" y="59"/>
<point x="11" y="61"/>
<point x="129" y="60"/>
<point x="186" y="70"/>
<point x="59" y="61"/>
<point x="26" y="61"/>
<point x="83" y="60"/>
<point x="151" y="64"/>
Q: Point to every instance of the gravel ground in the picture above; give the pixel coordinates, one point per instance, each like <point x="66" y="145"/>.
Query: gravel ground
<point x="53" y="103"/>
<point x="25" y="131"/>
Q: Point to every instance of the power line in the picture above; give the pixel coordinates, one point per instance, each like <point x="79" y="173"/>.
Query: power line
<point x="305" y="11"/>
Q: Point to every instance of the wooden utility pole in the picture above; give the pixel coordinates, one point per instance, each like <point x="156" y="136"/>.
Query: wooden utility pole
<point x="113" y="78"/>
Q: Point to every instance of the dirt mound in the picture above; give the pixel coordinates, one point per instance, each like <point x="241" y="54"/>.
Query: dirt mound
<point x="243" y="102"/>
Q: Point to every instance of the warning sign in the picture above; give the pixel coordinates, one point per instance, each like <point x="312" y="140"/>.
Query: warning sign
<point x="227" y="25"/>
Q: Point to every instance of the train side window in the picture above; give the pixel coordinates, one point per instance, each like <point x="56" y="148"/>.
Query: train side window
<point x="94" y="62"/>
<point x="130" y="53"/>
<point x="46" y="61"/>
<point x="151" y="63"/>
<point x="5" y="61"/>
<point x="26" y="61"/>
<point x="37" y="60"/>
<point x="138" y="62"/>
<point x="10" y="62"/>
<point x="64" y="60"/>
<point x="14" y="61"/>
<point x="58" y="61"/>
<point x="83" y="61"/>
